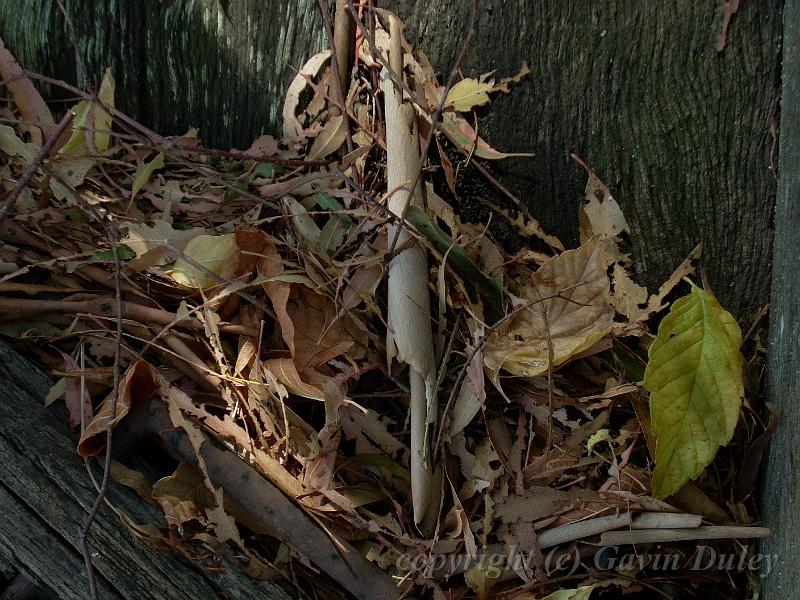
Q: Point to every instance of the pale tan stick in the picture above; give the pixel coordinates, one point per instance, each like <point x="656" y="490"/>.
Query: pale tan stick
<point x="650" y="536"/>
<point x="581" y="529"/>
<point x="409" y="338"/>
<point x="656" y="520"/>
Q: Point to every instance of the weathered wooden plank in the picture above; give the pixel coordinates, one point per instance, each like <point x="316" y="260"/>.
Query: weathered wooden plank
<point x="781" y="491"/>
<point x="45" y="494"/>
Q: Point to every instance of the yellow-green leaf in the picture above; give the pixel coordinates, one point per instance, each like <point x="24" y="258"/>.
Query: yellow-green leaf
<point x="91" y="119"/>
<point x="144" y="172"/>
<point x="694" y="376"/>
<point x="468" y="93"/>
<point x="213" y="252"/>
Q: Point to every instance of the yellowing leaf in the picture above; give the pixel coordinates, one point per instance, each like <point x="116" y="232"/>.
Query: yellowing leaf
<point x="92" y="120"/>
<point x="217" y="253"/>
<point x="469" y="93"/>
<point x="694" y="376"/>
<point x="144" y="172"/>
<point x="13" y="146"/>
<point x="575" y="318"/>
<point x="143" y="238"/>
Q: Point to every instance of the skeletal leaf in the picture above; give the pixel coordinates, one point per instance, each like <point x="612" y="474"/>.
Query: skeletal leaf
<point x="694" y="376"/>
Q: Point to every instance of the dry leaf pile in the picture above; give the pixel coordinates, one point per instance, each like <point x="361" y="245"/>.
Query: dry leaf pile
<point x="258" y="335"/>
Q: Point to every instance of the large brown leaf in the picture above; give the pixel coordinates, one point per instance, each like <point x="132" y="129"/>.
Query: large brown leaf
<point x="569" y="304"/>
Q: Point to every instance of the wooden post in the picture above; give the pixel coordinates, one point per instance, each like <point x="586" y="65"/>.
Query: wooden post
<point x="781" y="492"/>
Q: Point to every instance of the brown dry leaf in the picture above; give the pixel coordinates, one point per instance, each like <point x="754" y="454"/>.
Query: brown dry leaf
<point x="628" y="296"/>
<point x="182" y="496"/>
<point x="264" y="145"/>
<point x="76" y="405"/>
<point x="599" y="214"/>
<point x="330" y="139"/>
<point x="292" y="126"/>
<point x="224" y="525"/>
<point x="137" y="384"/>
<point x="287" y="373"/>
<point x="573" y="321"/>
<point x="528" y="226"/>
<point x="536" y="503"/>
<point x="226" y="429"/>
<point x="132" y="479"/>
<point x="656" y="301"/>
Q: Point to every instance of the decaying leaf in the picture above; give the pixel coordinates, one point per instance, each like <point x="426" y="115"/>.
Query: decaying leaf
<point x="270" y="298"/>
<point x="694" y="376"/>
<point x="461" y="133"/>
<point x="144" y="172"/>
<point x="566" y="307"/>
<point x="469" y="93"/>
<point x="137" y="384"/>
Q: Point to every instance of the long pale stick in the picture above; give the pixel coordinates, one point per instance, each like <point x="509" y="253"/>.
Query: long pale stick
<point x="409" y="338"/>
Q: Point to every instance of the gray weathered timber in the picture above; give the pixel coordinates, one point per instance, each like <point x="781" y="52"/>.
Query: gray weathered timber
<point x="219" y="65"/>
<point x="45" y="494"/>
<point x="680" y="132"/>
<point x="781" y="491"/>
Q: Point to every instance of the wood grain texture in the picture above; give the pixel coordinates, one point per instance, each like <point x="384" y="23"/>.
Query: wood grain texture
<point x="45" y="494"/>
<point x="220" y="65"/>
<point x="637" y="89"/>
<point x="780" y="492"/>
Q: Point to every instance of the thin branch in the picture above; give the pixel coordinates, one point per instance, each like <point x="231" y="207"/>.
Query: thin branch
<point x="37" y="161"/>
<point x="338" y="72"/>
<point x="98" y="502"/>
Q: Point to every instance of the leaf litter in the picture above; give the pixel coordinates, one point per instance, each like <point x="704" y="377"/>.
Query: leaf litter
<point x="254" y="315"/>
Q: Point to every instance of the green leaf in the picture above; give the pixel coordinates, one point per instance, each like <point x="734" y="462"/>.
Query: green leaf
<point x="91" y="119"/>
<point x="490" y="288"/>
<point x="694" y="376"/>
<point x="123" y="252"/>
<point x="144" y="172"/>
<point x="581" y="593"/>
<point x="326" y="202"/>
